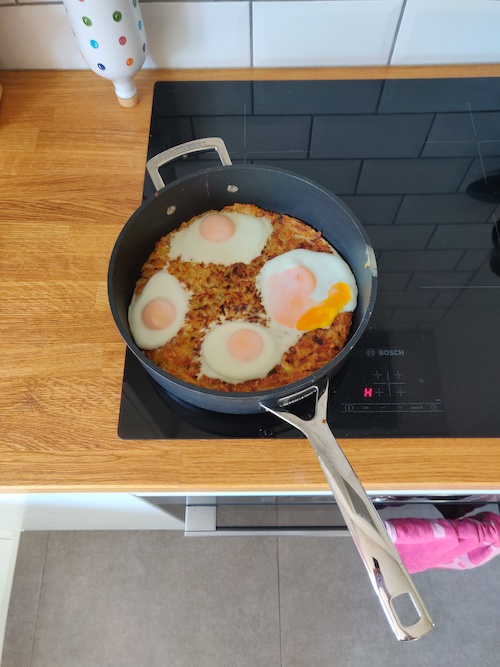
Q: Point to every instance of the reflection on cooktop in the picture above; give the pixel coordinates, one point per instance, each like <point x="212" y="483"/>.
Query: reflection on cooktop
<point x="417" y="161"/>
<point x="382" y="390"/>
<point x="148" y="411"/>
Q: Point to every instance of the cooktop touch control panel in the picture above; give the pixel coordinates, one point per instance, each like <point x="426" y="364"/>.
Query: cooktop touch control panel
<point x="386" y="384"/>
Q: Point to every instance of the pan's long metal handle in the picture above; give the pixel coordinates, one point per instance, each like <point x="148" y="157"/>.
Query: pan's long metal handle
<point x="155" y="163"/>
<point x="387" y="573"/>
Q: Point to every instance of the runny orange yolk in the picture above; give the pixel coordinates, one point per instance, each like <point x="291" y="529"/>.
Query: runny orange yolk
<point x="245" y="345"/>
<point x="217" y="227"/>
<point x="159" y="313"/>
<point x="325" y="312"/>
<point x="290" y="302"/>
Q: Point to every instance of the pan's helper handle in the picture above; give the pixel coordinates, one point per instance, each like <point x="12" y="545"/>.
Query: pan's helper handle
<point x="197" y="145"/>
<point x="386" y="570"/>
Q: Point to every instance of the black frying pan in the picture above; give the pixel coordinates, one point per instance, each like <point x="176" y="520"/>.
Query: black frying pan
<point x="284" y="192"/>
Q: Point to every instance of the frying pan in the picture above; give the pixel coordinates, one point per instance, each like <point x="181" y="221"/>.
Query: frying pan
<point x="282" y="191"/>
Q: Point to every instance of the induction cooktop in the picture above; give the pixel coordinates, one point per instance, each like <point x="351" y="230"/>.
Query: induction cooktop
<point x="418" y="162"/>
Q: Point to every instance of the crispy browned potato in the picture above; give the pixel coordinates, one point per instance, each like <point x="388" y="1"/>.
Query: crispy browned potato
<point x="230" y="292"/>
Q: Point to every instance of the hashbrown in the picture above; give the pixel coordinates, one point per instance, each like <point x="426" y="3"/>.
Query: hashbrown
<point x="229" y="293"/>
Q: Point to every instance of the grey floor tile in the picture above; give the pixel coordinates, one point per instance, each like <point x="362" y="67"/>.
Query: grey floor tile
<point x="147" y="599"/>
<point x="156" y="598"/>
<point x="331" y="617"/>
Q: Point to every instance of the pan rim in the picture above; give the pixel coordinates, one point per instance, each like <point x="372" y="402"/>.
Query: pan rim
<point x="264" y="394"/>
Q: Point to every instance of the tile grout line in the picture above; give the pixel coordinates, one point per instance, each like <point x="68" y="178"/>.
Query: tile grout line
<point x="38" y="601"/>
<point x="279" y="598"/>
<point x="250" y="25"/>
<point x="396" y="32"/>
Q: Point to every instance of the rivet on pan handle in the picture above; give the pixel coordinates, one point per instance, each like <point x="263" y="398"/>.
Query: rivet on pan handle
<point x="197" y="145"/>
<point x="387" y="573"/>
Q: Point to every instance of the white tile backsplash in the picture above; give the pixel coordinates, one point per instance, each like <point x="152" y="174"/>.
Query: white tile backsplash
<point x="180" y="35"/>
<point x="197" y="34"/>
<point x="37" y="37"/>
<point x="316" y="33"/>
<point x="35" y="34"/>
<point x="448" y="32"/>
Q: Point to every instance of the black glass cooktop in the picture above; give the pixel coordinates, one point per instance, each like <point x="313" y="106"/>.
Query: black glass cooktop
<point x="418" y="162"/>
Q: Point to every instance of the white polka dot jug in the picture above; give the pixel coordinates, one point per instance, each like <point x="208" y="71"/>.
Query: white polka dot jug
<point x="112" y="40"/>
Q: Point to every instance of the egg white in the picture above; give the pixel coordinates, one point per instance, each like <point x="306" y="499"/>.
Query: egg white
<point x="218" y="364"/>
<point x="327" y="268"/>
<point x="161" y="284"/>
<point x="248" y="241"/>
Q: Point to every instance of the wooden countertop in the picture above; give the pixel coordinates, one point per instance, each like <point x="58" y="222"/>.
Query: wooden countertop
<point x="72" y="167"/>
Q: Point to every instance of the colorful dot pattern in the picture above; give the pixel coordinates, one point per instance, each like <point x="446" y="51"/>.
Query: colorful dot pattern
<point x="122" y="40"/>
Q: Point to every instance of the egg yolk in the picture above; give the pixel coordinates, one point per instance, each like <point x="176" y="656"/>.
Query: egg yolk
<point x="324" y="313"/>
<point x="159" y="313"/>
<point x="245" y="345"/>
<point x="289" y="294"/>
<point x="217" y="227"/>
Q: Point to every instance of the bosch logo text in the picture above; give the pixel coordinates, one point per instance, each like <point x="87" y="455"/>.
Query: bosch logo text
<point x="391" y="353"/>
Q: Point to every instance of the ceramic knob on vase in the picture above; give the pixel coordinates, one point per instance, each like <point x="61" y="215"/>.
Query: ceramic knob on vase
<point x="112" y="40"/>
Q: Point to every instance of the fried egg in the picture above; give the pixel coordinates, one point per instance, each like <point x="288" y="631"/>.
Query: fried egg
<point x="237" y="351"/>
<point x="303" y="290"/>
<point x="221" y="238"/>
<point x="158" y="313"/>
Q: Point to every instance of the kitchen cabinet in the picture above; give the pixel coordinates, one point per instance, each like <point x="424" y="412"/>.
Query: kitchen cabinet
<point x="83" y="511"/>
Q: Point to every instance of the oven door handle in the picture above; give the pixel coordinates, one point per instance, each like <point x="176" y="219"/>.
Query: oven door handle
<point x="201" y="521"/>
